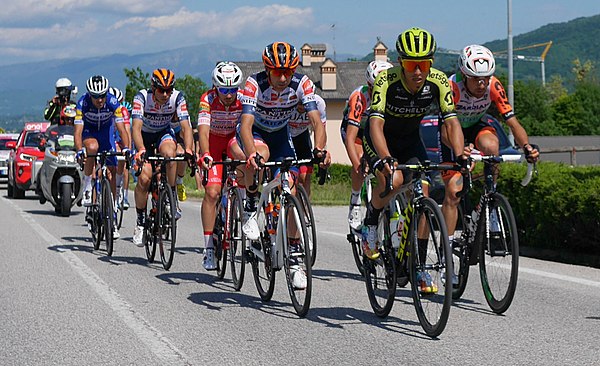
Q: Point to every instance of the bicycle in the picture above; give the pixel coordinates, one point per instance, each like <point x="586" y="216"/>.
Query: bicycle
<point x="279" y="216"/>
<point x="100" y="216"/>
<point x="354" y="236"/>
<point x="487" y="235"/>
<point x="121" y="194"/>
<point x="160" y="227"/>
<point x="421" y="248"/>
<point x="228" y="236"/>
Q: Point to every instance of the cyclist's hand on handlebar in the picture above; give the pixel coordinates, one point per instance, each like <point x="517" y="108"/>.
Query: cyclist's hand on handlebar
<point x="532" y="152"/>
<point x="81" y="154"/>
<point x="189" y="157"/>
<point x="205" y="161"/>
<point x="324" y="156"/>
<point x="139" y="157"/>
<point x="253" y="160"/>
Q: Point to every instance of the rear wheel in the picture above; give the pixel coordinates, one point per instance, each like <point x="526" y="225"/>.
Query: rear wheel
<point x="120" y="196"/>
<point x="149" y="237"/>
<point x="380" y="273"/>
<point x="236" y="239"/>
<point x="218" y="241"/>
<point x="499" y="256"/>
<point x="309" y="219"/>
<point x="260" y="258"/>
<point x="297" y="255"/>
<point x="108" y="215"/>
<point x="430" y="266"/>
<point x="167" y="226"/>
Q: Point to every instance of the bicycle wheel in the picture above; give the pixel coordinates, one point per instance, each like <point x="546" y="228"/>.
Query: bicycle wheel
<point x="119" y="207"/>
<point x="460" y="253"/>
<point x="354" y="240"/>
<point x="108" y="215"/>
<point x="431" y="259"/>
<point x="309" y="219"/>
<point x="167" y="226"/>
<point x="218" y="241"/>
<point x="149" y="237"/>
<point x="499" y="257"/>
<point x="260" y="258"/>
<point x="92" y="218"/>
<point x="236" y="239"/>
<point x="380" y="274"/>
<point x="297" y="255"/>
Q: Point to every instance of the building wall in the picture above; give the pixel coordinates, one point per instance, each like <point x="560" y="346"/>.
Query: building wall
<point x="335" y="146"/>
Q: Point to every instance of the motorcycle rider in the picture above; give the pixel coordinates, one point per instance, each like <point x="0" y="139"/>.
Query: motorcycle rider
<point x="64" y="90"/>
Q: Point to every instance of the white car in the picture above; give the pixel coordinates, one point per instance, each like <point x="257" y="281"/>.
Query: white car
<point x="5" y="152"/>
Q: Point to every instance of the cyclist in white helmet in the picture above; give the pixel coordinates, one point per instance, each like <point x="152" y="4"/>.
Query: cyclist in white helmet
<point x="355" y="115"/>
<point x="474" y="89"/>
<point x="220" y="110"/>
<point x="122" y="173"/>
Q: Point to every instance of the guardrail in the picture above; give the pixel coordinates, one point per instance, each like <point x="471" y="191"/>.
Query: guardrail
<point x="572" y="150"/>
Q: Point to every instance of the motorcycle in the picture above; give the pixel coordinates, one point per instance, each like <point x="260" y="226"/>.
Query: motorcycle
<point x="60" y="180"/>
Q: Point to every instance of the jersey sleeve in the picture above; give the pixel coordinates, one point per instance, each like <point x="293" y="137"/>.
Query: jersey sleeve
<point x="446" y="99"/>
<point x="182" y="110"/>
<point x="356" y="107"/>
<point x="455" y="91"/>
<point x="500" y="99"/>
<point x="322" y="108"/>
<point x="139" y="101"/>
<point x="204" y="111"/>
<point x="79" y="111"/>
<point x="383" y="80"/>
<point x="249" y="96"/>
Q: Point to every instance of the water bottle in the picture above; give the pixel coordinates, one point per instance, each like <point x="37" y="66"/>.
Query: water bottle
<point x="396" y="227"/>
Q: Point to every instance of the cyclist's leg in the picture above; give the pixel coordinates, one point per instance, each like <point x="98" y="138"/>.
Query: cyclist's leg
<point x="181" y="166"/>
<point x="90" y="143"/>
<point x="141" y="188"/>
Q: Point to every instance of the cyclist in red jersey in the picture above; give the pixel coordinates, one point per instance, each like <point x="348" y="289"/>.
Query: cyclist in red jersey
<point x="220" y="110"/>
<point x="474" y="89"/>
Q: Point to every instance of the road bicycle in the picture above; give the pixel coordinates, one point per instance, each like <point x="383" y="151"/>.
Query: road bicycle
<point x="354" y="236"/>
<point x="101" y="216"/>
<point x="416" y="247"/>
<point x="228" y="237"/>
<point x="284" y="240"/>
<point x="160" y="228"/>
<point x="487" y="235"/>
<point x="121" y="194"/>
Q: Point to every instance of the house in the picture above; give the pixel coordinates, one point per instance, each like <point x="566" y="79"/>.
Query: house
<point x="334" y="82"/>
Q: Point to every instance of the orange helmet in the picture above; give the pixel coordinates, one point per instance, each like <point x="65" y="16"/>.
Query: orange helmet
<point x="163" y="78"/>
<point x="280" y="55"/>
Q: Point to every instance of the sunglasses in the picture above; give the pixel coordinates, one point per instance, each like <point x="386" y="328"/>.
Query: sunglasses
<point x="411" y="65"/>
<point x="98" y="96"/>
<point x="162" y="90"/>
<point x="226" y="91"/>
<point x="485" y="80"/>
<point x="282" y="72"/>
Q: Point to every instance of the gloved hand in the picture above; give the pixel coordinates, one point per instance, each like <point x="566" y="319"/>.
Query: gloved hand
<point x="205" y="161"/>
<point x="80" y="154"/>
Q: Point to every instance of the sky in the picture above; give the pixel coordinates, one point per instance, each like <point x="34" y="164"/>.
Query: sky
<point x="36" y="30"/>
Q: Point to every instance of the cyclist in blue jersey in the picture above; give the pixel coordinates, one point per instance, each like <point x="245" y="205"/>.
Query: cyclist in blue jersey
<point x="269" y="99"/>
<point x="98" y="113"/>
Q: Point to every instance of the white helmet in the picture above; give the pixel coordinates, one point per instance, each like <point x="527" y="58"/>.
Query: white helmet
<point x="63" y="83"/>
<point x="476" y="61"/>
<point x="117" y="93"/>
<point x="374" y="68"/>
<point x="227" y="74"/>
<point x="97" y="85"/>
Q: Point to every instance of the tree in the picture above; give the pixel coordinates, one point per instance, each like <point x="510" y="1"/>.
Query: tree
<point x="138" y="80"/>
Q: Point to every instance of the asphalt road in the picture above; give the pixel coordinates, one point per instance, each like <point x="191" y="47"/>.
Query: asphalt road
<point x="61" y="303"/>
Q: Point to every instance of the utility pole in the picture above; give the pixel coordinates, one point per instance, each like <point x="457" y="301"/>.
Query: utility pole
<point x="511" y="91"/>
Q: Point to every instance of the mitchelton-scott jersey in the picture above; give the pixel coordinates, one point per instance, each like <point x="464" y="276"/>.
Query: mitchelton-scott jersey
<point x="157" y="118"/>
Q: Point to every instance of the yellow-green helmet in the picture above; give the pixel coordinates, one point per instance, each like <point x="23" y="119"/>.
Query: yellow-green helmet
<point x="415" y="43"/>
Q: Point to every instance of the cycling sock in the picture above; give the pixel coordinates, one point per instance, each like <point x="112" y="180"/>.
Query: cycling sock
<point x="119" y="180"/>
<point x="141" y="216"/>
<point x="208" y="240"/>
<point x="372" y="214"/>
<point x="179" y="180"/>
<point x="355" y="198"/>
<point x="87" y="182"/>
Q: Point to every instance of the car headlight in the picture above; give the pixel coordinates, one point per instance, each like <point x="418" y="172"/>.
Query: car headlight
<point x="27" y="157"/>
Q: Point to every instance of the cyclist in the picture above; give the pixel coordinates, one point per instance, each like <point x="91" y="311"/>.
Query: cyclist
<point x="220" y="110"/>
<point x="181" y="165"/>
<point x="300" y="130"/>
<point x="153" y="111"/>
<point x="98" y="113"/>
<point x="474" y="89"/>
<point x="268" y="101"/>
<point x="122" y="173"/>
<point x="355" y="115"/>
<point x="64" y="91"/>
<point x="400" y="99"/>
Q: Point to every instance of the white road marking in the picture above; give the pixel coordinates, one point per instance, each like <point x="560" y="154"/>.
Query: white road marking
<point x="577" y="280"/>
<point x="165" y="351"/>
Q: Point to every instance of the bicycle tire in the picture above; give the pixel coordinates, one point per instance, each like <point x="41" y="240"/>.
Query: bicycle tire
<point x="218" y="239"/>
<point x="95" y="229"/>
<point x="167" y="226"/>
<point x="433" y="306"/>
<point x="309" y="215"/>
<point x="499" y="271"/>
<point x="354" y="240"/>
<point x="294" y="259"/>
<point x="236" y="239"/>
<point x="460" y="253"/>
<point x="120" y="208"/>
<point x="108" y="215"/>
<point x="380" y="274"/>
<point x="149" y="237"/>
<point x="262" y="270"/>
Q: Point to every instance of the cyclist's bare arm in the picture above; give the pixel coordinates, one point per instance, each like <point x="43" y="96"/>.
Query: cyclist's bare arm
<point x="136" y="132"/>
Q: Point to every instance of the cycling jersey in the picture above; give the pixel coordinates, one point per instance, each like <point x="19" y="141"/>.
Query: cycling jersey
<point x="402" y="110"/>
<point x="158" y="118"/>
<point x="299" y="122"/>
<point x="470" y="109"/>
<point x="221" y="119"/>
<point x="98" y="118"/>
<point x="272" y="110"/>
<point x="126" y="123"/>
<point x="356" y="112"/>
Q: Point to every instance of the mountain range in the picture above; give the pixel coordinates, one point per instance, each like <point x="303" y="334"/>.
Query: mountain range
<point x="25" y="88"/>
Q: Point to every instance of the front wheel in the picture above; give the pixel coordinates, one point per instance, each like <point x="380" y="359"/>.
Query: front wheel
<point x="309" y="219"/>
<point x="236" y="239"/>
<point x="499" y="254"/>
<point x="149" y="238"/>
<point x="167" y="226"/>
<point x="219" y="241"/>
<point x="298" y="259"/>
<point x="108" y="215"/>
<point x="261" y="260"/>
<point x="65" y="199"/>
<point x="430" y="267"/>
<point x="460" y="252"/>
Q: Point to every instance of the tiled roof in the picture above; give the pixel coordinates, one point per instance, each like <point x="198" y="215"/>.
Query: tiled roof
<point x="350" y="75"/>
